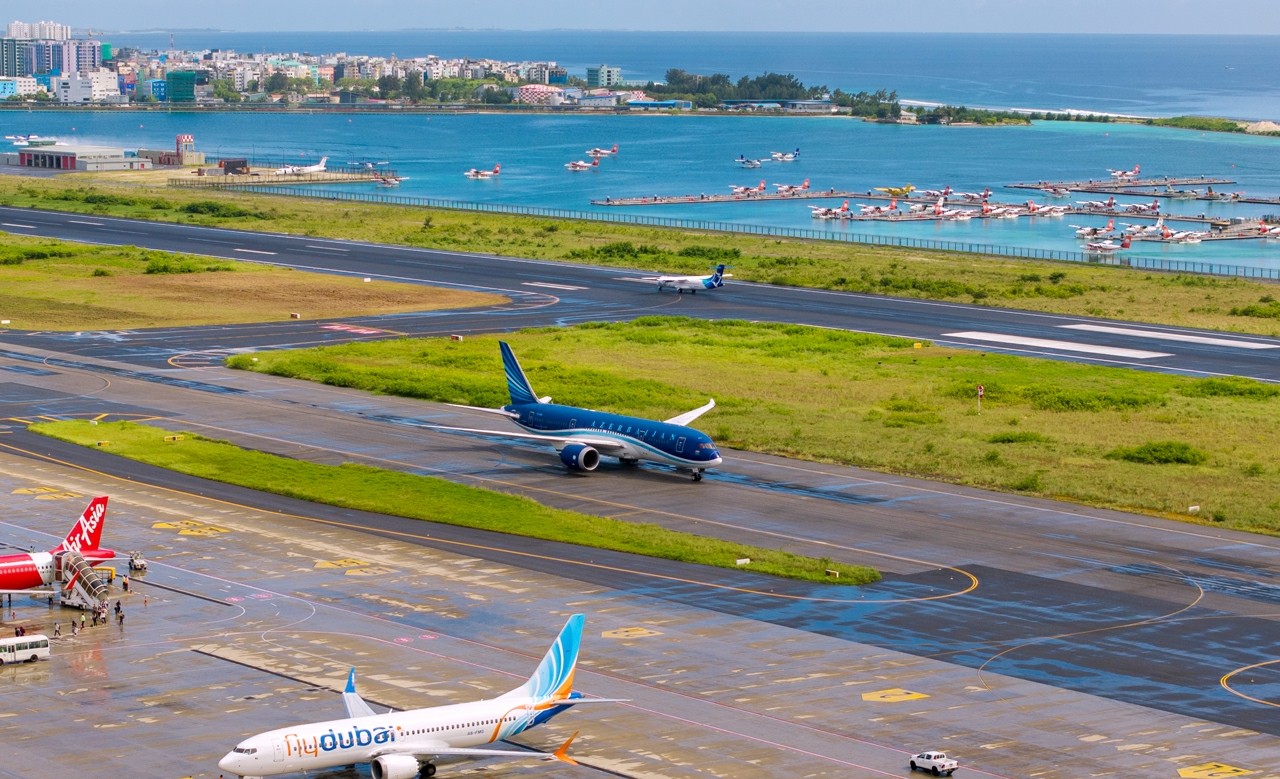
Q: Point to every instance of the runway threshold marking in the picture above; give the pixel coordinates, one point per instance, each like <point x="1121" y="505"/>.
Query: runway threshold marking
<point x="1066" y="346"/>
<point x="1183" y="337"/>
<point x="252" y="251"/>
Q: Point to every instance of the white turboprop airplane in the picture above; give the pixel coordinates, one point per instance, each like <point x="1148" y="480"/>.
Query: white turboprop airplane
<point x="827" y="212"/>
<point x="975" y="197"/>
<point x="477" y="173"/>
<point x="580" y="165"/>
<point x="407" y="744"/>
<point x="598" y="152"/>
<point x="1095" y="232"/>
<point x="298" y="170"/>
<point x="747" y="190"/>
<point x="792" y="189"/>
<point x="784" y="156"/>
<point x="1098" y="205"/>
<point x="879" y="209"/>
<point x="936" y="192"/>
<point x="692" y="283"/>
<point x="1124" y="175"/>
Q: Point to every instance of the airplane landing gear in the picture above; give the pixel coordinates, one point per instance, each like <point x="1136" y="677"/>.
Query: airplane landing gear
<point x="427" y="771"/>
<point x="697" y="474"/>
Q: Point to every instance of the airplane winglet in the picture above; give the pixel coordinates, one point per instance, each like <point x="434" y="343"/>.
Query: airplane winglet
<point x="562" y="754"/>
<point x="351" y="700"/>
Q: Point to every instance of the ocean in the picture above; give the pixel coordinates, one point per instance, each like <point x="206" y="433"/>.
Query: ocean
<point x="695" y="154"/>
<point x="1235" y="76"/>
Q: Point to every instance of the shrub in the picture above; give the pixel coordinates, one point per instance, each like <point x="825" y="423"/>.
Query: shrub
<point x="1159" y="453"/>
<point x="1230" y="387"/>
<point x="216" y="208"/>
<point x="1019" y="437"/>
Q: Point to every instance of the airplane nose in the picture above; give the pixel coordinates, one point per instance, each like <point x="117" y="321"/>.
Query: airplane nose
<point x="228" y="762"/>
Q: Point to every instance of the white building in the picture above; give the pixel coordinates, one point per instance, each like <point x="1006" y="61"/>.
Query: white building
<point x="98" y="86"/>
<point x="38" y="31"/>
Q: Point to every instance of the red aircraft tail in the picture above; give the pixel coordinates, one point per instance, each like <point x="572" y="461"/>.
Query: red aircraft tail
<point x="87" y="533"/>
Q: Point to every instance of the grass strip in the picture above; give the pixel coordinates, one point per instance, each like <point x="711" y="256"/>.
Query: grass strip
<point x="431" y="499"/>
<point x="1111" y="437"/>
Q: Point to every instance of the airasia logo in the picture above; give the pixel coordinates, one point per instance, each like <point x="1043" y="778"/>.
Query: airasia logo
<point x="87" y="527"/>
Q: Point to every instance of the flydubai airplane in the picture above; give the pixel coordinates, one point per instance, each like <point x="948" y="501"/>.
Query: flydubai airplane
<point x="407" y="744"/>
<point x="581" y="435"/>
<point x="692" y="283"/>
<point x="24" y="572"/>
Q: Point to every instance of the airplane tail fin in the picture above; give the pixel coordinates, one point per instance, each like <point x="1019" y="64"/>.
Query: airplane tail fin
<point x="497" y="169"/>
<point x="1126" y="243"/>
<point x="805" y="185"/>
<point x="553" y="679"/>
<point x="717" y="278"/>
<point x="614" y="149"/>
<point x="517" y="382"/>
<point x="87" y="533"/>
<point x="893" y="203"/>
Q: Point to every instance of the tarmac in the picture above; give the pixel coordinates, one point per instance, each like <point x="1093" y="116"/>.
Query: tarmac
<point x="249" y="620"/>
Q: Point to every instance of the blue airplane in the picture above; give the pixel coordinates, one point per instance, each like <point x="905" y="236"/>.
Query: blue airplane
<point x="581" y="435"/>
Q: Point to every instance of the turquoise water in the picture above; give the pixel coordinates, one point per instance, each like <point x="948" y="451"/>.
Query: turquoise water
<point x="677" y="155"/>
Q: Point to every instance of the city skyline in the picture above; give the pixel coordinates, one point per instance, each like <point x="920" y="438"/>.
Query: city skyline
<point x="1252" y="17"/>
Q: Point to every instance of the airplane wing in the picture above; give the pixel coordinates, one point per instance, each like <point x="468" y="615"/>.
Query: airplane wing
<point x="356" y="707"/>
<point x="689" y="416"/>
<point x="605" y="445"/>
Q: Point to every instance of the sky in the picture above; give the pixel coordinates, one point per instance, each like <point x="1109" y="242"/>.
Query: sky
<point x="1253" y="17"/>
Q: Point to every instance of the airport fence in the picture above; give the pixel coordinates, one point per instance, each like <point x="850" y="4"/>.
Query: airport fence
<point x="1127" y="259"/>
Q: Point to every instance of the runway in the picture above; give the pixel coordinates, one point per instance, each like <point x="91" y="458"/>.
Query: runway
<point x="548" y="293"/>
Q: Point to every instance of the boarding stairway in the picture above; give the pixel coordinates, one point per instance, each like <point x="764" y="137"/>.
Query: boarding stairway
<point x="79" y="583"/>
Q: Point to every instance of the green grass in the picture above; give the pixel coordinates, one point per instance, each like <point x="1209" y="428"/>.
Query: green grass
<point x="1045" y="427"/>
<point x="1059" y="287"/>
<point x="430" y="499"/>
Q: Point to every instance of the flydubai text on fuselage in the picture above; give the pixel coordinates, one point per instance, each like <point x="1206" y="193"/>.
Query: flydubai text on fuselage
<point x="398" y="745"/>
<point x="29" y="571"/>
<point x="581" y="435"/>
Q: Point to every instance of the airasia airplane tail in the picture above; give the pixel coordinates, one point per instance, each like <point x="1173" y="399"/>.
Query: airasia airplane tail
<point x="86" y="536"/>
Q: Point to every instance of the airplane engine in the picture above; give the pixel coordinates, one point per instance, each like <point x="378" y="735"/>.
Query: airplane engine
<point x="579" y="457"/>
<point x="394" y="767"/>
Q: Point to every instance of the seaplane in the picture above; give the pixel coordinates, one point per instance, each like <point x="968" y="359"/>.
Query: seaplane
<point x="1156" y="229"/>
<point x="936" y="192"/>
<point x="784" y="156"/>
<point x="826" y="212"/>
<point x="1000" y="212"/>
<point x="1105" y="247"/>
<point x="597" y="152"/>
<point x="975" y="197"/>
<point x="1098" y="205"/>
<point x="1044" y="209"/>
<point x="902" y="191"/>
<point x="299" y="170"/>
<point x="1271" y="231"/>
<point x="476" y="173"/>
<point x="1057" y="191"/>
<point x="745" y="162"/>
<point x="1125" y="175"/>
<point x="692" y="283"/>
<point x="792" y="189"/>
<point x="1095" y="232"/>
<point x="879" y="210"/>
<point x="1140" y="208"/>
<point x="367" y="164"/>
<point x="33" y="140"/>
<point x="582" y="164"/>
<point x="940" y="211"/>
<point x="747" y="190"/>
<point x="390" y="181"/>
<point x="1187" y="236"/>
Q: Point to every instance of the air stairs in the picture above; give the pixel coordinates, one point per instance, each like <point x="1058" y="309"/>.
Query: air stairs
<point x="79" y="584"/>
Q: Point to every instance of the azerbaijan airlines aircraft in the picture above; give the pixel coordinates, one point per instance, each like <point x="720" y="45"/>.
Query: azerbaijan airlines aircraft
<point x="581" y="435"/>
<point x="407" y="744"/>
<point x="24" y="572"/>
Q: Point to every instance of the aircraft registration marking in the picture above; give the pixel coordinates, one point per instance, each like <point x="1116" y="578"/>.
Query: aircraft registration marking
<point x="892" y="695"/>
<point x="1065" y="346"/>
<point x="549" y="285"/>
<point x="1211" y="771"/>
<point x="1183" y="337"/>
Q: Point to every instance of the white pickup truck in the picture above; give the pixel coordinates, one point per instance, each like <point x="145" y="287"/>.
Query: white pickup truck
<point x="936" y="763"/>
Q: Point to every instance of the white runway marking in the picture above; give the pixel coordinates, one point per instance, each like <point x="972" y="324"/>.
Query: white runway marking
<point x="1066" y="346"/>
<point x="550" y="286"/>
<point x="252" y="251"/>
<point x="327" y="248"/>
<point x="1185" y="337"/>
<point x="11" y="224"/>
<point x="82" y="222"/>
